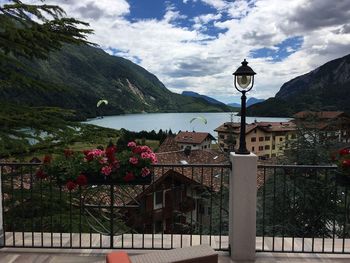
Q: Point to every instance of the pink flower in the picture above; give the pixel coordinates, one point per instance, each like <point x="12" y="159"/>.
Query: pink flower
<point x="71" y="185"/>
<point x="129" y="177"/>
<point x="145" y="171"/>
<point x="153" y="158"/>
<point x="137" y="149"/>
<point x="106" y="170"/>
<point x="145" y="155"/>
<point x="146" y="149"/>
<point x="133" y="160"/>
<point x="103" y="160"/>
<point x="132" y="144"/>
<point x="81" y="180"/>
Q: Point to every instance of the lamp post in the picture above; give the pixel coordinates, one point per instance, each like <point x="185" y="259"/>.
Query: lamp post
<point x="244" y="82"/>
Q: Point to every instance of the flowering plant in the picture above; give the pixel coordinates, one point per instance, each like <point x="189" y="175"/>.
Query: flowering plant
<point x="343" y="161"/>
<point x="99" y="165"/>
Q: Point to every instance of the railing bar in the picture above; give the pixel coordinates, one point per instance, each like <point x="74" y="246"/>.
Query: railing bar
<point x="51" y="212"/>
<point x="13" y="208"/>
<point x="283" y="205"/>
<point x="294" y="205"/>
<point x="181" y="188"/>
<point x="41" y="214"/>
<point x="70" y="220"/>
<point x="60" y="216"/>
<point x="334" y="215"/>
<point x="313" y="238"/>
<point x="324" y="186"/>
<point x="264" y="209"/>
<point x="220" y="213"/>
<point x="201" y="214"/>
<point x="22" y="206"/>
<point x="192" y="170"/>
<point x="345" y="210"/>
<point x="211" y="204"/>
<point x="3" y="204"/>
<point x="90" y="236"/>
<point x="80" y="212"/>
<point x="153" y="208"/>
<point x="199" y="165"/>
<point x="144" y="225"/>
<point x="111" y="237"/>
<point x="173" y="206"/>
<point x="31" y="198"/>
<point x="303" y="209"/>
<point x="162" y="173"/>
<point x="273" y="209"/>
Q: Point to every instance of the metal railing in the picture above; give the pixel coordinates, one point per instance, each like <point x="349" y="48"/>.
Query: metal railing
<point x="302" y="209"/>
<point x="184" y="205"/>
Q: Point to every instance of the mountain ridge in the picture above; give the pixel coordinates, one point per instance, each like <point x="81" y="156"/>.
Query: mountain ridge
<point x="325" y="88"/>
<point x="76" y="77"/>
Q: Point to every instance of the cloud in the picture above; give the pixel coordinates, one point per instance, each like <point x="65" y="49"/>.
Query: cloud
<point x="193" y="50"/>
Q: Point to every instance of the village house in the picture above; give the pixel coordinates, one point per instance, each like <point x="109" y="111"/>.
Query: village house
<point x="334" y="124"/>
<point x="265" y="139"/>
<point x="177" y="200"/>
<point x="194" y="140"/>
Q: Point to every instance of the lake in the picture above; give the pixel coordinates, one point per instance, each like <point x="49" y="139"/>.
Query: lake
<point x="173" y="121"/>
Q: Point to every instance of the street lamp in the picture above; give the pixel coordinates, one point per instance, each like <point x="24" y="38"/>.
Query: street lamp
<point x="244" y="82"/>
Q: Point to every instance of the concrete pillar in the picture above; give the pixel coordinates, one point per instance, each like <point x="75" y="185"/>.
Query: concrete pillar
<point x="242" y="206"/>
<point x="2" y="231"/>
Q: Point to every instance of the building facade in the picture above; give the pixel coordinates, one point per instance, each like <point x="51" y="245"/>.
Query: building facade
<point x="194" y="140"/>
<point x="265" y="139"/>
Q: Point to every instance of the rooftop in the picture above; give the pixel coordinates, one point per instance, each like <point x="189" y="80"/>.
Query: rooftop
<point x="265" y="126"/>
<point x="192" y="137"/>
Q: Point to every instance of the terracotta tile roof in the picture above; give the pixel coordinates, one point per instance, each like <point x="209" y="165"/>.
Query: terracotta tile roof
<point x="319" y="114"/>
<point x="265" y="126"/>
<point x="169" y="145"/>
<point x="193" y="137"/>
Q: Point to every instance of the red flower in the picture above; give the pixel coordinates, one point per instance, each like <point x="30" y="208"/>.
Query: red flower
<point x="81" y="180"/>
<point x="106" y="170"/>
<point x="71" y="185"/>
<point x="346" y="163"/>
<point x="133" y="160"/>
<point x="137" y="149"/>
<point x="47" y="159"/>
<point x="131" y="144"/>
<point x="344" y="151"/>
<point x="129" y="177"/>
<point x="41" y="174"/>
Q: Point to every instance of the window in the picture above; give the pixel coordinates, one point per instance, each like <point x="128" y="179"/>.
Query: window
<point x="253" y="139"/>
<point x="158" y="199"/>
<point x="253" y="148"/>
<point x="267" y="147"/>
<point x="222" y="136"/>
<point x="194" y="145"/>
<point x="205" y="147"/>
<point x="273" y="138"/>
<point x="267" y="138"/>
<point x="261" y="139"/>
<point x="273" y="147"/>
<point x="281" y="139"/>
<point x="261" y="148"/>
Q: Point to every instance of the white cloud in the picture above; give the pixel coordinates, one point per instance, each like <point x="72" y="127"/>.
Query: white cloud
<point x="186" y="58"/>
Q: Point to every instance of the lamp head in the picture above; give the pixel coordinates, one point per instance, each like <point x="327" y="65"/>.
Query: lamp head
<point x="244" y="77"/>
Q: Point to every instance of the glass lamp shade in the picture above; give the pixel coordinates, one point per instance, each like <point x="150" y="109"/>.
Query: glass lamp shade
<point x="244" y="81"/>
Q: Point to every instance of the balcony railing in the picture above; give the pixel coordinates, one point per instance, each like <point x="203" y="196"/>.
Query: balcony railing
<point x="302" y="209"/>
<point x="184" y="205"/>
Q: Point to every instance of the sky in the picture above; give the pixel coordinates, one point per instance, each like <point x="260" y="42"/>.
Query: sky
<point x="196" y="45"/>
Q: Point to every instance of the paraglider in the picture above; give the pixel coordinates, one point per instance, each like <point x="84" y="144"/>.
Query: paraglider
<point x="102" y="101"/>
<point x="202" y="119"/>
<point x="99" y="103"/>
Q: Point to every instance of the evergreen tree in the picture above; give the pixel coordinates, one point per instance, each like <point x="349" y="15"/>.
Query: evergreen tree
<point x="32" y="31"/>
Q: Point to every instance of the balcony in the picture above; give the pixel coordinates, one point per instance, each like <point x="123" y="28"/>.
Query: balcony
<point x="302" y="212"/>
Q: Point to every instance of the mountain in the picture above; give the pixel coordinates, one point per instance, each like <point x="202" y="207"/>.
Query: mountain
<point x="197" y="95"/>
<point x="250" y="102"/>
<point x="325" y="88"/>
<point x="76" y="77"/>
